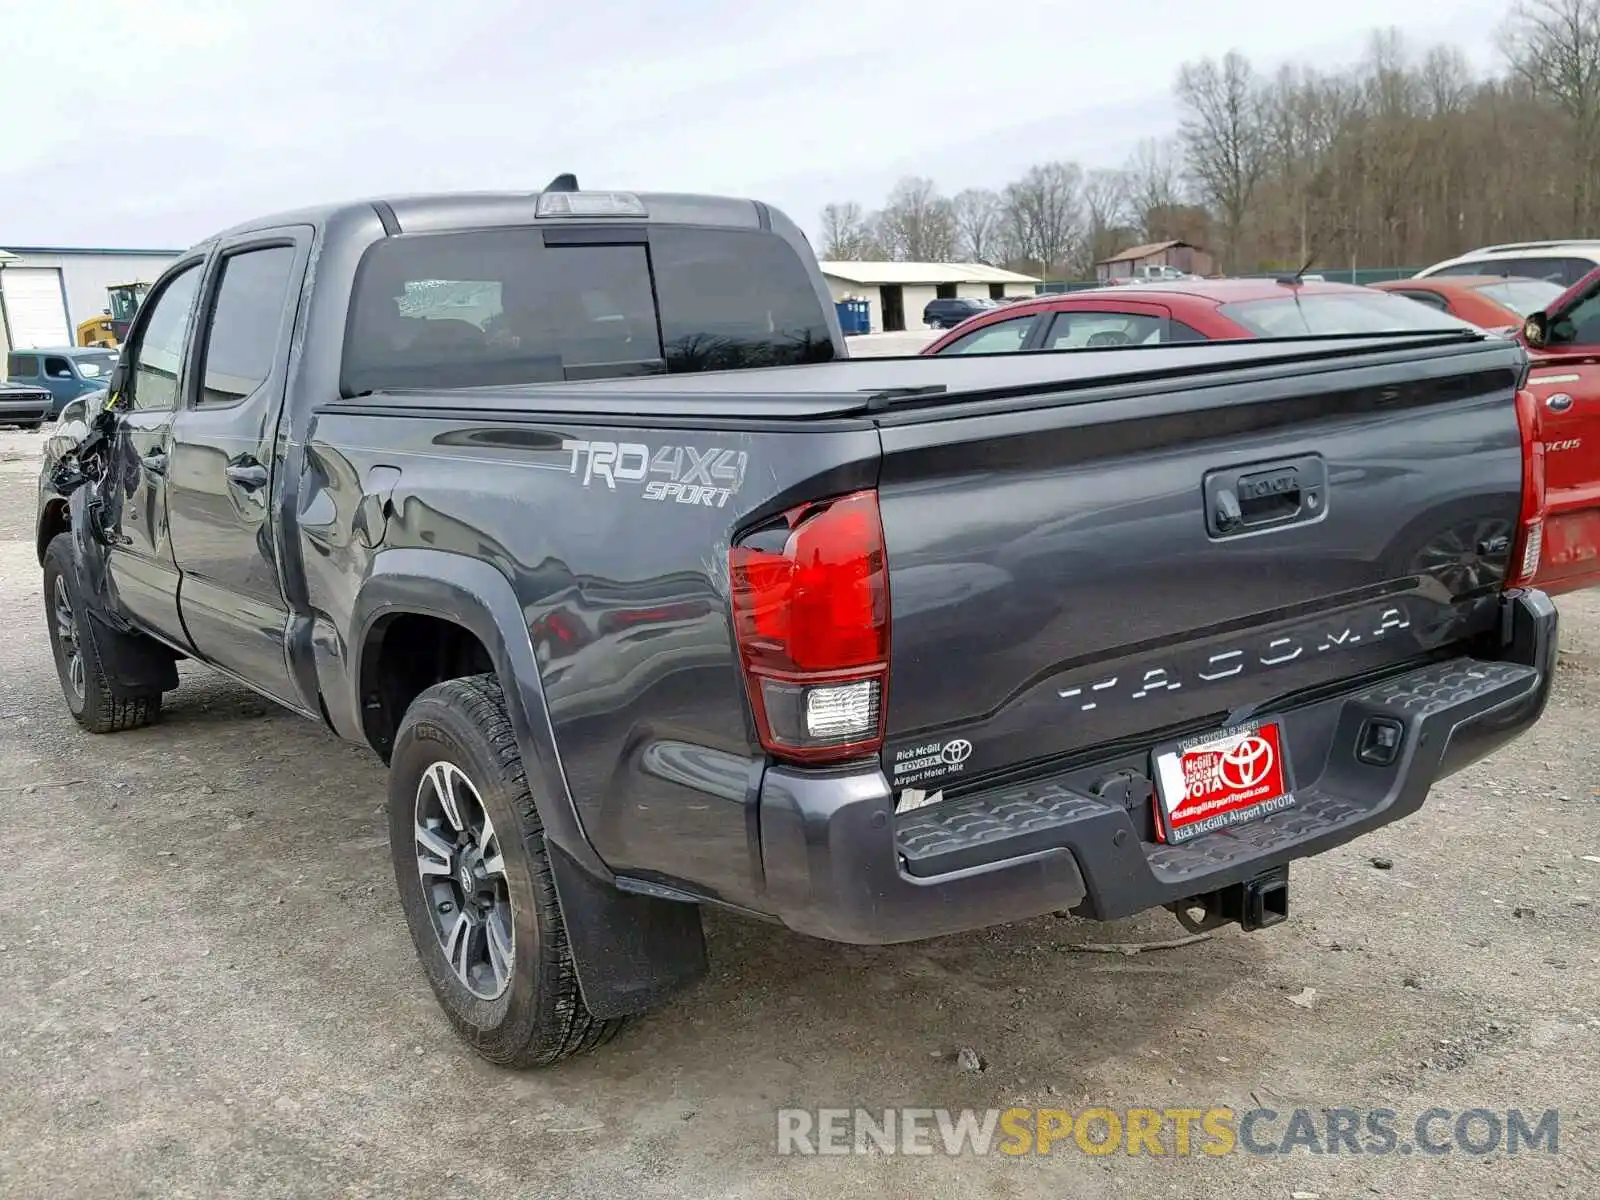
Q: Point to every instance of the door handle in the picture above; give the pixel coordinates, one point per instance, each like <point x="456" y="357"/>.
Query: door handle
<point x="250" y="475"/>
<point x="155" y="462"/>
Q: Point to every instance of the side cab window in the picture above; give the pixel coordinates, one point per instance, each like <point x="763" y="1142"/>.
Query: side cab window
<point x="247" y="318"/>
<point x="22" y="366"/>
<point x="155" y="362"/>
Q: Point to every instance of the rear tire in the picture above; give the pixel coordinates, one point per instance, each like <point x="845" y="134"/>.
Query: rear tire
<point x="86" y="654"/>
<point x="460" y="815"/>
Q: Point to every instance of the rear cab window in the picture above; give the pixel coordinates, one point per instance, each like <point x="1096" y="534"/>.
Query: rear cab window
<point x="1303" y="315"/>
<point x="502" y="307"/>
<point x="22" y="366"/>
<point x="246" y="319"/>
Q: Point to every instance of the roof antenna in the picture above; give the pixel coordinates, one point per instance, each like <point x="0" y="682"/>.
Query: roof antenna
<point x="565" y="182"/>
<point x="1296" y="279"/>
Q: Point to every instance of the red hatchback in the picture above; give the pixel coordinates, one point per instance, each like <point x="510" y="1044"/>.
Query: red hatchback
<point x="1194" y="310"/>
<point x="1488" y="301"/>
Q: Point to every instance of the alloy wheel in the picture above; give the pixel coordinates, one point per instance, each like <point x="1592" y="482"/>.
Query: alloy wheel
<point x="463" y="876"/>
<point x="67" y="633"/>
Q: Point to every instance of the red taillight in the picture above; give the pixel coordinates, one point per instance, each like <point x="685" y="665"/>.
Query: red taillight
<point x="811" y="617"/>
<point x="1529" y="541"/>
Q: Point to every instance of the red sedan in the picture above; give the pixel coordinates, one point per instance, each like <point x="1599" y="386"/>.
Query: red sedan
<point x="1563" y="338"/>
<point x="1193" y="310"/>
<point x="1488" y="301"/>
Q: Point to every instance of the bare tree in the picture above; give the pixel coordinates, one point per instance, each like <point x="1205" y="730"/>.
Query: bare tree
<point x="845" y="235"/>
<point x="1392" y="138"/>
<point x="1446" y="80"/>
<point x="1107" y="218"/>
<point x="979" y="216"/>
<point x="1043" y="213"/>
<point x="1154" y="175"/>
<point x="1554" y="46"/>
<point x="1223" y="136"/>
<point x="1407" y="158"/>
<point x="918" y="224"/>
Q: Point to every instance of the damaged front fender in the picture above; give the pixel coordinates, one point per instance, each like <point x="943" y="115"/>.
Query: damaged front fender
<point x="74" y="505"/>
<point x="134" y="662"/>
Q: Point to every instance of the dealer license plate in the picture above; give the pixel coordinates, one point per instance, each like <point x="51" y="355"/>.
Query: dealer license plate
<point x="1218" y="780"/>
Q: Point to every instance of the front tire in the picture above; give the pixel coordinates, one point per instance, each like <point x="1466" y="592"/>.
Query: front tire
<point x="84" y="651"/>
<point x="475" y="883"/>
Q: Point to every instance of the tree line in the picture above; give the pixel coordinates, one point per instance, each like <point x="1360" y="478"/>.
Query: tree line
<point x="1403" y="159"/>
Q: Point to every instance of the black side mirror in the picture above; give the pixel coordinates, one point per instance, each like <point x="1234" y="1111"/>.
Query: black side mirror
<point x="1536" y="329"/>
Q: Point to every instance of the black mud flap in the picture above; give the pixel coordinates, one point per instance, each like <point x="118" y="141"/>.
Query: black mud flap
<point x="631" y="952"/>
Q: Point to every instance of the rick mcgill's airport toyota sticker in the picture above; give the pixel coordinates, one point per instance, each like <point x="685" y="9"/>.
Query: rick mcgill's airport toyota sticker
<point x="931" y="760"/>
<point x="1222" y="780"/>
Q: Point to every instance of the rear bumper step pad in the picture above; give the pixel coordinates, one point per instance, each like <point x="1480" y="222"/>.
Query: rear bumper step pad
<point x="1436" y="705"/>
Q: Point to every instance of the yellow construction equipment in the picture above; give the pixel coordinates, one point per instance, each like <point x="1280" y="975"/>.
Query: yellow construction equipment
<point x="110" y="329"/>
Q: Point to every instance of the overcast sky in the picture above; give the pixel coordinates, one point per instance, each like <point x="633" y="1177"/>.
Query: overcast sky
<point x="157" y="122"/>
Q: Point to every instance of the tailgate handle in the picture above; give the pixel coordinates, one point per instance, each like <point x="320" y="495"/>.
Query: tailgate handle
<point x="1265" y="495"/>
<point x="1269" y="496"/>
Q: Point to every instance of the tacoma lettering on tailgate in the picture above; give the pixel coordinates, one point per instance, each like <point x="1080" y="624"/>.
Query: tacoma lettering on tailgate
<point x="1262" y="653"/>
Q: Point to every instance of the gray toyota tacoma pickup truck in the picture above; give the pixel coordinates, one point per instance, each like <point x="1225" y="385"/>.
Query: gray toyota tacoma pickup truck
<point x="570" y="506"/>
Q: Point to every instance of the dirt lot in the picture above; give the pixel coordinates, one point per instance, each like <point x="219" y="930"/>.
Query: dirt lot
<point x="206" y="989"/>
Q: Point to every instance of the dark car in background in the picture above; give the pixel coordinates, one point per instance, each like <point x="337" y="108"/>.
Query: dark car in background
<point x="947" y="312"/>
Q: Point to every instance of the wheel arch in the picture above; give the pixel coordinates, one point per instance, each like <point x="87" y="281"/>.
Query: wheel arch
<point x="471" y="595"/>
<point x="54" y="518"/>
<point x="619" y="972"/>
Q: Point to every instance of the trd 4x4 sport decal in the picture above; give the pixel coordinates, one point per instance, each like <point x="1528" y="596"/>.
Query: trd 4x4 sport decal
<point x="682" y="474"/>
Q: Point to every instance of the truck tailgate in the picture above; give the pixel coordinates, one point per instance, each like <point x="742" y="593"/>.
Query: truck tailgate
<point x="1071" y="574"/>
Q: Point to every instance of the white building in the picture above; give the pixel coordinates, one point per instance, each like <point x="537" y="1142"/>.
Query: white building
<point x="45" y="291"/>
<point x="898" y="291"/>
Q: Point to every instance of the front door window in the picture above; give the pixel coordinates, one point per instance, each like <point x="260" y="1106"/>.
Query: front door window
<point x="155" y="375"/>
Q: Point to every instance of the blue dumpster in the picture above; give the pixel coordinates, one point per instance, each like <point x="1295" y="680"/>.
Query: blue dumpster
<point x="855" y="316"/>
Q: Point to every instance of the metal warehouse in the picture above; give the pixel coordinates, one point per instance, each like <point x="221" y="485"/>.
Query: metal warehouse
<point x="46" y="291"/>
<point x="898" y="291"/>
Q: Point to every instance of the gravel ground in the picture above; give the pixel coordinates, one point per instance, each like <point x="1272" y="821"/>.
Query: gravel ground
<point x="206" y="989"/>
